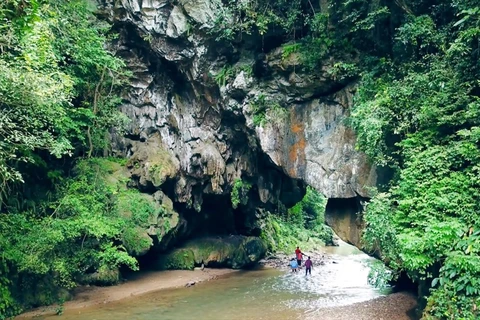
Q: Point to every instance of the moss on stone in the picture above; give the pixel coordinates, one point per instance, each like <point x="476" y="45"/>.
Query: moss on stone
<point x="40" y="291"/>
<point x="178" y="259"/>
<point x="230" y="252"/>
<point x="145" y="215"/>
<point x="155" y="166"/>
<point x="211" y="250"/>
<point x="136" y="240"/>
<point x="102" y="277"/>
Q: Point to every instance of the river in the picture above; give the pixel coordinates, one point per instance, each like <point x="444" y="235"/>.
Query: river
<point x="263" y="294"/>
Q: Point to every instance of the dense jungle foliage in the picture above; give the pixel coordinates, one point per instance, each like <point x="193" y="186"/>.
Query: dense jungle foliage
<point x="58" y="97"/>
<point x="302" y="225"/>
<point x="416" y="112"/>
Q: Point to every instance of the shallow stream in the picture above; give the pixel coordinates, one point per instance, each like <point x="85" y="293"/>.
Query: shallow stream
<point x="265" y="294"/>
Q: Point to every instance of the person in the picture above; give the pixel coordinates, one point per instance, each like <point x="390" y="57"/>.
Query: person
<point x="308" y="266"/>
<point x="299" y="255"/>
<point x="294" y="265"/>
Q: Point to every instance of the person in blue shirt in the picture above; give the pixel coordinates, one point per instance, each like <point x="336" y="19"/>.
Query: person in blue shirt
<point x="294" y="265"/>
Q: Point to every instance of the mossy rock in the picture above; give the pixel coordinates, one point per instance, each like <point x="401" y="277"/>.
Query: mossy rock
<point x="41" y="291"/>
<point x="147" y="217"/>
<point x="178" y="259"/>
<point x="102" y="277"/>
<point x="137" y="241"/>
<point x="228" y="252"/>
<point x="153" y="163"/>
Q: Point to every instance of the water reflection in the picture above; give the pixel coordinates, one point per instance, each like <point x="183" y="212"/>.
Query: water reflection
<point x="259" y="294"/>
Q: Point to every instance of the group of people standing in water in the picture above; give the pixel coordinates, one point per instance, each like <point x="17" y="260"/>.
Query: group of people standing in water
<point x="296" y="263"/>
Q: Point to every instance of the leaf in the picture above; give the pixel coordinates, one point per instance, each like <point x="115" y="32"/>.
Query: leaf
<point x="461" y="21"/>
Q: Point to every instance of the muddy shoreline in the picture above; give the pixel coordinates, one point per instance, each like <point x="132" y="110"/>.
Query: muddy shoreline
<point x="138" y="284"/>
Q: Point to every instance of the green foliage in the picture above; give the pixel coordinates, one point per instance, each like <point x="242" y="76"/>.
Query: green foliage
<point x="285" y="237"/>
<point x="259" y="111"/>
<point x="458" y="282"/>
<point x="58" y="84"/>
<point x="301" y="21"/>
<point x="417" y="112"/>
<point x="8" y="305"/>
<point x="310" y="211"/>
<point x="239" y="193"/>
<point x="91" y="229"/>
<point x="289" y="49"/>
<point x="257" y="17"/>
<point x="265" y="110"/>
<point x="303" y="224"/>
<point x="319" y="43"/>
<point x="313" y="205"/>
<point x="379" y="275"/>
<point x="228" y="73"/>
<point x="59" y="88"/>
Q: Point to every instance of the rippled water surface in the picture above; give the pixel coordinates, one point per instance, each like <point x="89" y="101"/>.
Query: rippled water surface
<point x="260" y="294"/>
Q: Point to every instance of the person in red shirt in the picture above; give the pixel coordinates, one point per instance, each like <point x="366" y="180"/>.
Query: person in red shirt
<point x="308" y="266"/>
<point x="299" y="255"/>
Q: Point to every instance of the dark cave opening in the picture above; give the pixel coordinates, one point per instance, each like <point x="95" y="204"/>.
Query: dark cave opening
<point x="344" y="216"/>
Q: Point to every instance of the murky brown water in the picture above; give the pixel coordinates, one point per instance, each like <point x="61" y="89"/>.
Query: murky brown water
<point x="260" y="294"/>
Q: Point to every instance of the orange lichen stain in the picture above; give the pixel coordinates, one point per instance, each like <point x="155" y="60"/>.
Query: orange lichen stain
<point x="297" y="127"/>
<point x="296" y="155"/>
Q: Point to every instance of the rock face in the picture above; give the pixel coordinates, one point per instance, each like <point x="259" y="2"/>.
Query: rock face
<point x="198" y="123"/>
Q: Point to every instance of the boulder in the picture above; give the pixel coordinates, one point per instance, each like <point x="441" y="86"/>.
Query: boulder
<point x="223" y="252"/>
<point x="101" y="277"/>
<point x="203" y="12"/>
<point x="177" y="23"/>
<point x="178" y="259"/>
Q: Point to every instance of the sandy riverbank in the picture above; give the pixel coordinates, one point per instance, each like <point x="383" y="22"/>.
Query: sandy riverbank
<point x="136" y="285"/>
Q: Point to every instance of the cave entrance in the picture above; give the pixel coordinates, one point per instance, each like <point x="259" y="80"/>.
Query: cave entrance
<point x="345" y="217"/>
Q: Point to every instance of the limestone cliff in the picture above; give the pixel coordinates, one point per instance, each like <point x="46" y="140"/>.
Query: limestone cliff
<point x="204" y="115"/>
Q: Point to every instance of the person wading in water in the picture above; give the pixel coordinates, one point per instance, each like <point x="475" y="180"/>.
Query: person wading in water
<point x="294" y="265"/>
<point x="308" y="266"/>
<point x="299" y="255"/>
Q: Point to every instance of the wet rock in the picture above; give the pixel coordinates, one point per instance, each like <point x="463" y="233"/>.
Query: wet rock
<point x="345" y="216"/>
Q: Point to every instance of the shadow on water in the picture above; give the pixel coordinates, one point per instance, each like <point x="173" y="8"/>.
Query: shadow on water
<point x="263" y="294"/>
